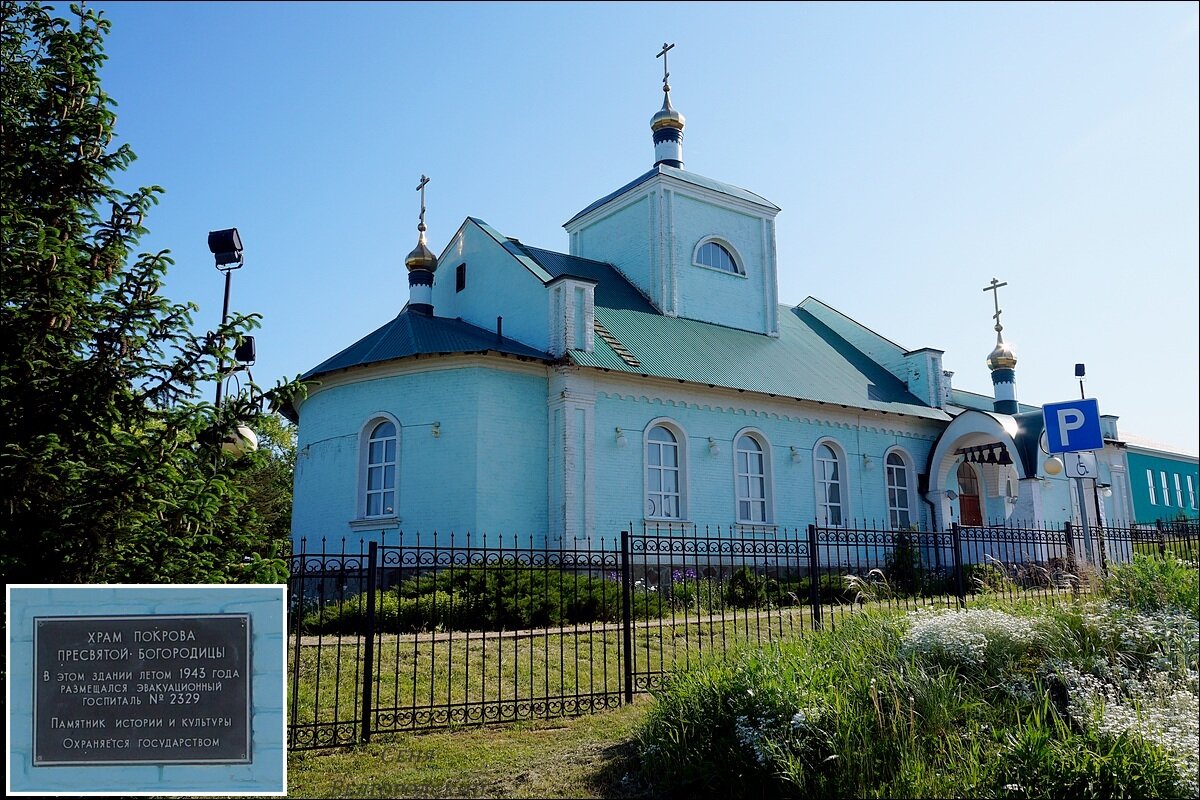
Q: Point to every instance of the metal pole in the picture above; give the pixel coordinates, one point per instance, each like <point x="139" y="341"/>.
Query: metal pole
<point x="956" y="542"/>
<point x="369" y="644"/>
<point x="627" y="614"/>
<point x="1083" y="516"/>
<point x="224" y="316"/>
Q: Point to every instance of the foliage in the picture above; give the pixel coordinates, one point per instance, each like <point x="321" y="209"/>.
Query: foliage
<point x="111" y="467"/>
<point x="1150" y="583"/>
<point x="903" y="566"/>
<point x="1049" y="701"/>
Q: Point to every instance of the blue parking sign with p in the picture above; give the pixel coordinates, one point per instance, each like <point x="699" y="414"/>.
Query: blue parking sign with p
<point x="1073" y="426"/>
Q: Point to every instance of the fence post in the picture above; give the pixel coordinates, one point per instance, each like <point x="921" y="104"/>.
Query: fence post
<point x="1072" y="562"/>
<point x="627" y="614"/>
<point x="956" y="539"/>
<point x="814" y="578"/>
<point x="1162" y="539"/>
<point x="369" y="649"/>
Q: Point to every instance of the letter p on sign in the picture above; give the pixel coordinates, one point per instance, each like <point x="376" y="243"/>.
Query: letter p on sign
<point x="1073" y="427"/>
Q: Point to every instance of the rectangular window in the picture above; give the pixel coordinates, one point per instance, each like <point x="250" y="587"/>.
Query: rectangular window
<point x="1178" y="492"/>
<point x="1166" y="491"/>
<point x="460" y="277"/>
<point x="1150" y="486"/>
<point x="1191" y="494"/>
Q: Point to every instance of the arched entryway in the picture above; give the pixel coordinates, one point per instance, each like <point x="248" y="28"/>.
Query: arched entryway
<point x="970" y="510"/>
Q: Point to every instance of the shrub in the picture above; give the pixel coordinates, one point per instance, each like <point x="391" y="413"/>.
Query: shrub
<point x="746" y="589"/>
<point x="1151" y="583"/>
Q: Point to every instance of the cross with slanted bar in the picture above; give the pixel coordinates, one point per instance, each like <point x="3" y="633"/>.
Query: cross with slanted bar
<point x="995" y="290"/>
<point x="421" y="189"/>
<point x="663" y="54"/>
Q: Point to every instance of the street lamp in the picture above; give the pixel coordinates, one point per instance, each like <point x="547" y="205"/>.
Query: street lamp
<point x="226" y="247"/>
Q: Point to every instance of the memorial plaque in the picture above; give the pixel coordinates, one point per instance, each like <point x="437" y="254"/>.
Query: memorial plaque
<point x="170" y="689"/>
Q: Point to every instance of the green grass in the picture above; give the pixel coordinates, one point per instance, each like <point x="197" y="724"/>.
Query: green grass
<point x="488" y="672"/>
<point x="586" y="757"/>
<point x="1007" y="700"/>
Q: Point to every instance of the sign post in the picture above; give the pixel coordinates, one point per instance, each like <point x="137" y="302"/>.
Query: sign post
<point x="1073" y="429"/>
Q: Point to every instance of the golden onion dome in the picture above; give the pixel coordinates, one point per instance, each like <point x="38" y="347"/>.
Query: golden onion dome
<point x="421" y="256"/>
<point x="1002" y="357"/>
<point x="667" y="117"/>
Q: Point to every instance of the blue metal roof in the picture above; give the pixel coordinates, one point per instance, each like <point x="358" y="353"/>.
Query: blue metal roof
<point x="807" y="361"/>
<point x="687" y="177"/>
<point x="412" y="334"/>
<point x="612" y="289"/>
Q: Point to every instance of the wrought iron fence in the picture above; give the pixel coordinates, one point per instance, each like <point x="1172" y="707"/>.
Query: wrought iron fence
<point x="448" y="631"/>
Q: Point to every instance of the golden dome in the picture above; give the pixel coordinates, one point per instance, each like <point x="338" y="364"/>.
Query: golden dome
<point x="667" y="117"/>
<point x="421" y="256"/>
<point x="1002" y="357"/>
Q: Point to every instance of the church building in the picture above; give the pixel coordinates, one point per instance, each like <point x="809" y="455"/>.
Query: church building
<point x="649" y="375"/>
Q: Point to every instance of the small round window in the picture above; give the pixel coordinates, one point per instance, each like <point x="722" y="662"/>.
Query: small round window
<point x="715" y="256"/>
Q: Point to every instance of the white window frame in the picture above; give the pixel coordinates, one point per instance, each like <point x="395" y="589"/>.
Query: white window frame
<point x="1191" y="493"/>
<point x="766" y="502"/>
<point x="672" y="427"/>
<point x="365" y="465"/>
<point x="1150" y="485"/>
<point x="1178" y="492"/>
<point x="909" y="496"/>
<point x="738" y="264"/>
<point x="1166" y="488"/>
<point x="821" y="483"/>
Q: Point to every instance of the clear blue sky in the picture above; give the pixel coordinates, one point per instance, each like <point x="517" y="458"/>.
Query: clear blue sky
<point x="916" y="150"/>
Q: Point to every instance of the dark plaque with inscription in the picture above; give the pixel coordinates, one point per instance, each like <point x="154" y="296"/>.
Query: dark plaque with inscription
<point x="170" y="689"/>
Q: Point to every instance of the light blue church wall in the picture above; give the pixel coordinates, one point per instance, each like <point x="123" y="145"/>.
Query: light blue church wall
<point x="497" y="285"/>
<point x="623" y="239"/>
<point x="478" y="473"/>
<point x="620" y="471"/>
<point x="737" y="301"/>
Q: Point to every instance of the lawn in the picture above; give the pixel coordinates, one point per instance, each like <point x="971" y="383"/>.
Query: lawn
<point x="589" y="756"/>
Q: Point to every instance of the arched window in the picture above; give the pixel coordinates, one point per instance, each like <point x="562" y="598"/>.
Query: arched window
<point x="717" y="256"/>
<point x="898" y="483"/>
<point x="830" y="486"/>
<point x="379" y="492"/>
<point x="664" y="474"/>
<point x="751" y="480"/>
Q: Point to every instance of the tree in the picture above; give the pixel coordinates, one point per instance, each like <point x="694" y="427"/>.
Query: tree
<point x="110" y="463"/>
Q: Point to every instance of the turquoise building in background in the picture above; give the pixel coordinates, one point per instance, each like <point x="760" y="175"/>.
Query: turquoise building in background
<point x="1163" y="484"/>
<point x="649" y="375"/>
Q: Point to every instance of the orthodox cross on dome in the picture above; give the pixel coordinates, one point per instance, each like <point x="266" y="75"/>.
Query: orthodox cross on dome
<point x="421" y="189"/>
<point x="663" y="54"/>
<point x="995" y="290"/>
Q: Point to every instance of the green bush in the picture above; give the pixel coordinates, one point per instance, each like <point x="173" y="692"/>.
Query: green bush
<point x="1042" y="758"/>
<point x="1150" y="583"/>
<point x="867" y="710"/>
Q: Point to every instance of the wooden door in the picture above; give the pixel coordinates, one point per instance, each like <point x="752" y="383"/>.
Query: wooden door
<point x="970" y="512"/>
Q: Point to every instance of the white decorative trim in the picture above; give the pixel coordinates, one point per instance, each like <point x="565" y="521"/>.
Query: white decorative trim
<point x="386" y="523"/>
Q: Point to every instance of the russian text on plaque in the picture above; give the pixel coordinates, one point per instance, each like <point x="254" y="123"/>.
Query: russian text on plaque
<point x="167" y="689"/>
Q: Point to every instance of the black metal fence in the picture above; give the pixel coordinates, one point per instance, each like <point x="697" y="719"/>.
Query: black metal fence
<point x="460" y="631"/>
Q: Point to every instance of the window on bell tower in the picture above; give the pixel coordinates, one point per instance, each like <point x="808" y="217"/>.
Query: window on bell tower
<point x="715" y="255"/>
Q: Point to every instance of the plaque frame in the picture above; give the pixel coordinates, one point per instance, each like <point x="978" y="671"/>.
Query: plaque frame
<point x="156" y="618"/>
